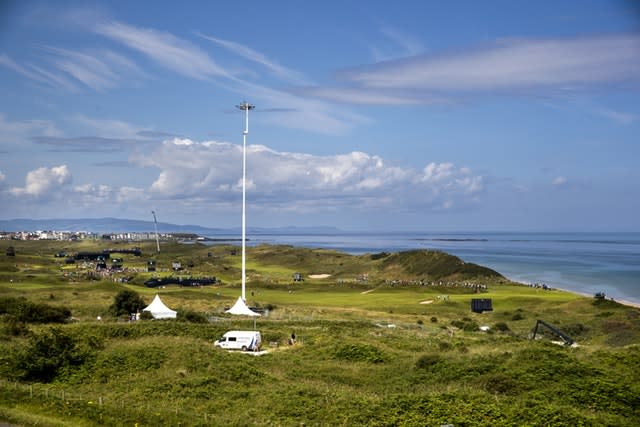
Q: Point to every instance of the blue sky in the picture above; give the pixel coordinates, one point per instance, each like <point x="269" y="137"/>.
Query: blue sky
<point x="377" y="115"/>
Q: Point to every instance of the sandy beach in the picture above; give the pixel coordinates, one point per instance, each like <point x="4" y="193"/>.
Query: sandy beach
<point x="584" y="294"/>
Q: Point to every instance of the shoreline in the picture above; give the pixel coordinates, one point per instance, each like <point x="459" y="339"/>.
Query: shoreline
<point x="586" y="295"/>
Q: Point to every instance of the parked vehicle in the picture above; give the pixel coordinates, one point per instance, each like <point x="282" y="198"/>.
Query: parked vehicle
<point x="240" y="340"/>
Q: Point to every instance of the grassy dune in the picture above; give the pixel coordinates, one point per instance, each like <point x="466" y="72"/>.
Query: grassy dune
<point x="386" y="339"/>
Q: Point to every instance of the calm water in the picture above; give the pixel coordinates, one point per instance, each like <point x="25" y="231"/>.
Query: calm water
<point x="579" y="262"/>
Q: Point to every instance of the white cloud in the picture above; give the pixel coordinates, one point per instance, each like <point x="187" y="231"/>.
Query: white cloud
<point x="130" y="194"/>
<point x="91" y="195"/>
<point x="168" y="50"/>
<point x="559" y="180"/>
<point x="44" y="182"/>
<point x="619" y="116"/>
<point x="211" y="172"/>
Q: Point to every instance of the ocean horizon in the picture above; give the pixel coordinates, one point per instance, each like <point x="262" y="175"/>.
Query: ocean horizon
<point x="581" y="262"/>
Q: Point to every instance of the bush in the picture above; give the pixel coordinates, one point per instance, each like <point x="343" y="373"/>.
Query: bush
<point x="467" y="325"/>
<point x="444" y="346"/>
<point x="360" y="353"/>
<point x="25" y="311"/>
<point x="428" y="361"/>
<point x="127" y="302"/>
<point x="379" y="255"/>
<point x="434" y="319"/>
<point x="575" y="329"/>
<point x="46" y="354"/>
<point x="502" y="327"/>
<point x="191" y="316"/>
<point x="12" y="327"/>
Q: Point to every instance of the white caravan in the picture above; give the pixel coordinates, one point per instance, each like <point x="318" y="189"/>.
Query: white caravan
<point x="240" y="340"/>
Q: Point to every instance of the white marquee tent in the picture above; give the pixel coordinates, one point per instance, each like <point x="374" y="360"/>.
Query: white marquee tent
<point x="160" y="311"/>
<point x="240" y="308"/>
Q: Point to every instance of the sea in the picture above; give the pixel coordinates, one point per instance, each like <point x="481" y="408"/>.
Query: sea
<point x="584" y="263"/>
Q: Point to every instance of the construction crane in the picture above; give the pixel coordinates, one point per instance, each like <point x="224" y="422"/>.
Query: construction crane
<point x="155" y="225"/>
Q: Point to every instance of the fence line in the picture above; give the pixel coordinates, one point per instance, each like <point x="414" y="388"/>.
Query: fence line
<point x="42" y="393"/>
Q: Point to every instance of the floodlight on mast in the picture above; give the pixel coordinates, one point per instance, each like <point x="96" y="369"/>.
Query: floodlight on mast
<point x="245" y="106"/>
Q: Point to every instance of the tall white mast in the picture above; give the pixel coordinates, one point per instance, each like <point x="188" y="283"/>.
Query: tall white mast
<point x="245" y="106"/>
<point x="155" y="225"/>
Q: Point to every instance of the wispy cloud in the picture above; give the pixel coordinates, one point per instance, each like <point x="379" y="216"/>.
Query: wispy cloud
<point x="110" y="128"/>
<point x="401" y="45"/>
<point x="83" y="144"/>
<point x="510" y="64"/>
<point x="17" y="132"/>
<point x="352" y="95"/>
<point x="69" y="69"/>
<point x="85" y="68"/>
<point x="246" y="52"/>
<point x="103" y="135"/>
<point x="174" y="53"/>
<point x="38" y="74"/>
<point x="507" y="66"/>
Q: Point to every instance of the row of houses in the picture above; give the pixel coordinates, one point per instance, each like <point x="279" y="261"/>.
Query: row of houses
<point x="80" y="235"/>
<point x="47" y="235"/>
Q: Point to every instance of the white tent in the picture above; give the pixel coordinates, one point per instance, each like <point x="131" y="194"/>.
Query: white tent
<point x="240" y="308"/>
<point x="158" y="310"/>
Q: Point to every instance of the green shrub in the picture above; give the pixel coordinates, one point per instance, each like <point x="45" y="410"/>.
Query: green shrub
<point x="127" y="302"/>
<point x="13" y="327"/>
<point x="379" y="255"/>
<point x="502" y="327"/>
<point x="467" y="325"/>
<point x="575" y="329"/>
<point x="26" y="311"/>
<point x="191" y="316"/>
<point x="434" y="319"/>
<point x="444" y="346"/>
<point x="500" y="383"/>
<point x="517" y="316"/>
<point x="360" y="353"/>
<point x="46" y="354"/>
<point x="428" y="361"/>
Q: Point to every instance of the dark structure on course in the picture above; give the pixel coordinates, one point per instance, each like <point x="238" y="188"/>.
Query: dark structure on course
<point x="479" y="305"/>
<point x="189" y="281"/>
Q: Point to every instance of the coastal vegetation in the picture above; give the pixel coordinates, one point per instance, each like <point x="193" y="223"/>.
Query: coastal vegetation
<point x="380" y="339"/>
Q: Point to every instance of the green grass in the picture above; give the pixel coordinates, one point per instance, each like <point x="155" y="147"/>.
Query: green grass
<point x="348" y="367"/>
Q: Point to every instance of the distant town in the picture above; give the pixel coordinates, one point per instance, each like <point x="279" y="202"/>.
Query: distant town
<point x="87" y="235"/>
